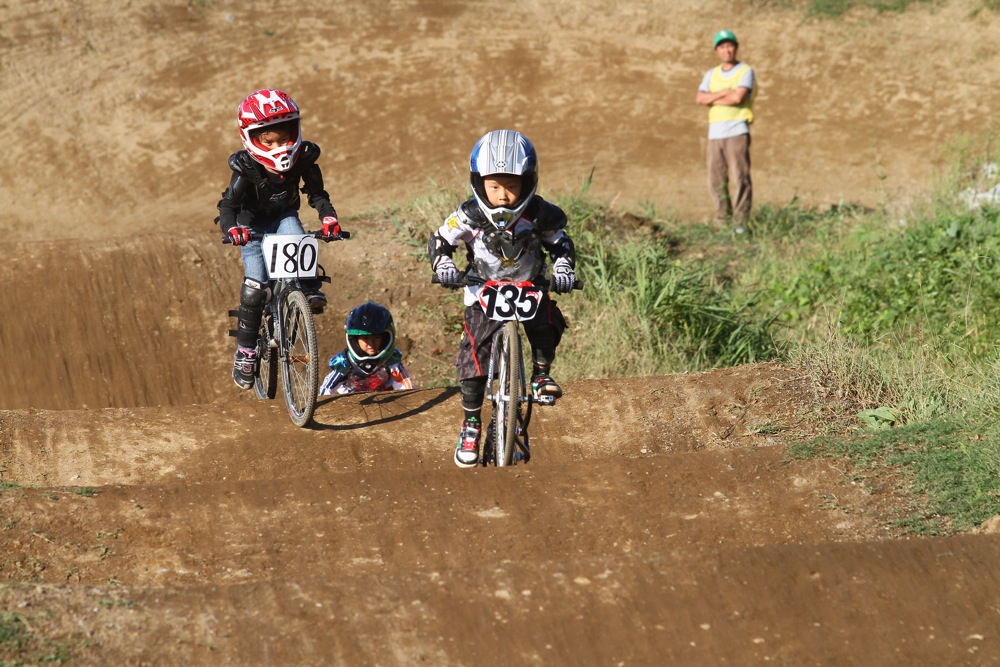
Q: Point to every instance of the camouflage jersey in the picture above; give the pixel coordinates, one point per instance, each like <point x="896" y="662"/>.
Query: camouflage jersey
<point x="517" y="253"/>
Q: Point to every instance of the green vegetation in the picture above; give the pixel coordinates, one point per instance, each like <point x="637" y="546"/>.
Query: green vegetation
<point x="991" y="5"/>
<point x="949" y="467"/>
<point x="837" y="8"/>
<point x="21" y="645"/>
<point x="648" y="310"/>
<point x="894" y="313"/>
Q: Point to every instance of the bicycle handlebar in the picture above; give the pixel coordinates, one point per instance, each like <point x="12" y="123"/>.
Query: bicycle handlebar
<point x="473" y="280"/>
<point x="343" y="236"/>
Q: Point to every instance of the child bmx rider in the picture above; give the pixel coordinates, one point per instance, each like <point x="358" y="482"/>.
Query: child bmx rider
<point x="371" y="361"/>
<point x="506" y="229"/>
<point x="263" y="198"/>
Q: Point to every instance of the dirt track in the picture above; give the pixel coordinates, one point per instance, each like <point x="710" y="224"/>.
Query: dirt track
<point x="152" y="515"/>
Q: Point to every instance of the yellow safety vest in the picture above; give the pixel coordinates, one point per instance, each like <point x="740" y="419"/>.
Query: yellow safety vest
<point x="721" y="112"/>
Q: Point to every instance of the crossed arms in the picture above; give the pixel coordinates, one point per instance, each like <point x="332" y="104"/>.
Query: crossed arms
<point x="729" y="98"/>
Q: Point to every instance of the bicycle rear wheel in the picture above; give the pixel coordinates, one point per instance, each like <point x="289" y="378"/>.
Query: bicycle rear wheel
<point x="507" y="400"/>
<point x="299" y="358"/>
<point x="266" y="382"/>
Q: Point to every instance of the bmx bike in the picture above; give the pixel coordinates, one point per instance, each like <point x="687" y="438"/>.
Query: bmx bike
<point x="508" y="302"/>
<point x="287" y="338"/>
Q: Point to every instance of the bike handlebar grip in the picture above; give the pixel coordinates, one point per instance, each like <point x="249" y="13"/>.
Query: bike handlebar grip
<point x="342" y="236"/>
<point x="227" y="239"/>
<point x="464" y="282"/>
<point x="577" y="284"/>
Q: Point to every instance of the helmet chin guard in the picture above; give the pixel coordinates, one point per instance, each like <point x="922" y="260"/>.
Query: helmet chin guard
<point x="503" y="152"/>
<point x="262" y="109"/>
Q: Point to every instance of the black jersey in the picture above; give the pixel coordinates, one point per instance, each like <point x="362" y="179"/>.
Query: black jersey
<point x="255" y="193"/>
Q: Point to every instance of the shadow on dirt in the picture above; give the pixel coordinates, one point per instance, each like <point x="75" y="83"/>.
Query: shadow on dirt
<point x="382" y="403"/>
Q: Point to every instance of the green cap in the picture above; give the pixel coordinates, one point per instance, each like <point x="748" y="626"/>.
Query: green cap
<point x="725" y="36"/>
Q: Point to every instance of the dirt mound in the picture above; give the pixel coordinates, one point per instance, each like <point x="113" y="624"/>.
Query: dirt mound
<point x="650" y="526"/>
<point x="152" y="514"/>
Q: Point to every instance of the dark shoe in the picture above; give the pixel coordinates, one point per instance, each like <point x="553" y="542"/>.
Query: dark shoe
<point x="542" y="384"/>
<point x="243" y="367"/>
<point x="467" y="451"/>
<point x="317" y="302"/>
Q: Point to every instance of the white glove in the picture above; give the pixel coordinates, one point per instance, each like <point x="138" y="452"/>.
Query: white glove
<point x="447" y="272"/>
<point x="563" y="275"/>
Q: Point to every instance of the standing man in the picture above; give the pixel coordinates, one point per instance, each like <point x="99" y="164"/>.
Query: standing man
<point x="728" y="91"/>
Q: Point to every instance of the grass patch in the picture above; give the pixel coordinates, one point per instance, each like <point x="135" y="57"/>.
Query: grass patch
<point x="944" y="465"/>
<point x="21" y="645"/>
<point x="837" y="8"/>
<point x="649" y="310"/>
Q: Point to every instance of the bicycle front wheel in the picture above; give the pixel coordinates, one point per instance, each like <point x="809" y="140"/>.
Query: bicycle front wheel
<point x="507" y="400"/>
<point x="266" y="382"/>
<point x="299" y="358"/>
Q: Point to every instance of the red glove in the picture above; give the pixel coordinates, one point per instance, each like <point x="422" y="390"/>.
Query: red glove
<point x="331" y="227"/>
<point x="239" y="235"/>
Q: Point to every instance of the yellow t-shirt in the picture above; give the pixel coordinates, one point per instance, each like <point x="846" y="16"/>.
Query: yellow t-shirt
<point x="718" y="83"/>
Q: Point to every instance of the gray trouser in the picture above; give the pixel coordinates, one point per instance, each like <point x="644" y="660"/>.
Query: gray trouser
<point x="729" y="159"/>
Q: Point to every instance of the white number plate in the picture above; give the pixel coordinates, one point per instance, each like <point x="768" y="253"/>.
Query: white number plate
<point x="509" y="300"/>
<point x="290" y="255"/>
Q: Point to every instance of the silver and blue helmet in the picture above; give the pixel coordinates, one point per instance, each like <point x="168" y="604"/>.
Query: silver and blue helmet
<point x="503" y="152"/>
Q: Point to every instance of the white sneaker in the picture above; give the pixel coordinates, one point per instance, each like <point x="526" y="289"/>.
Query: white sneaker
<point x="467" y="451"/>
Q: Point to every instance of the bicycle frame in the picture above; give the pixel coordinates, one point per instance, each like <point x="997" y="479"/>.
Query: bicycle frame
<point x="508" y="440"/>
<point x="287" y="340"/>
<point x="507" y="436"/>
<point x="278" y="291"/>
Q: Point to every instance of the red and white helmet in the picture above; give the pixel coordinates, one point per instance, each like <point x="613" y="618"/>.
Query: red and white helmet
<point x="269" y="107"/>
